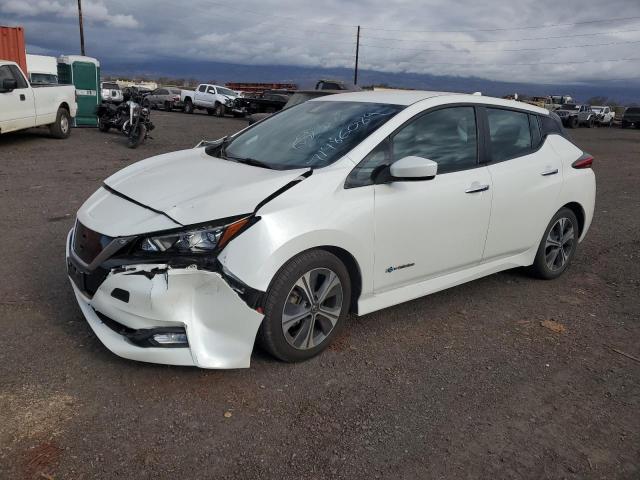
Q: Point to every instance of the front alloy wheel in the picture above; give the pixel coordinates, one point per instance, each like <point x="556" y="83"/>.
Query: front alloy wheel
<point x="312" y="308"/>
<point x="306" y="305"/>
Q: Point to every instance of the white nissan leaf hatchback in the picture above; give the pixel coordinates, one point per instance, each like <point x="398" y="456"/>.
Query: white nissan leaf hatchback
<point x="348" y="203"/>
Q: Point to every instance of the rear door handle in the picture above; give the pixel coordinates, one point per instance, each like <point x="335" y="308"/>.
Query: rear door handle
<point x="546" y="173"/>
<point x="475" y="188"/>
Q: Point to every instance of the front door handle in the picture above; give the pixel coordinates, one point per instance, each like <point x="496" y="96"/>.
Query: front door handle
<point x="476" y="187"/>
<point x="546" y="173"/>
<point x="22" y="97"/>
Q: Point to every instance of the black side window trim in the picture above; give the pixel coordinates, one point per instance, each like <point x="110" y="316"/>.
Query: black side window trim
<point x="481" y="147"/>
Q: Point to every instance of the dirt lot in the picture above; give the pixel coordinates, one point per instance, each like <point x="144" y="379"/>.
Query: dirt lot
<point x="466" y="383"/>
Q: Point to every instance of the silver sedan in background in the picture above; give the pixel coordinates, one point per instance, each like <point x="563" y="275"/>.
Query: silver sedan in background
<point x="167" y="98"/>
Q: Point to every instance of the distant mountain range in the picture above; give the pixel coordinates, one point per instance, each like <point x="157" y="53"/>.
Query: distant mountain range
<point x="624" y="92"/>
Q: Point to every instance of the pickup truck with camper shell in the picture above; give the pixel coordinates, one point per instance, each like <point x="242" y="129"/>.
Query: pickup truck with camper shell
<point x="23" y="105"/>
<point x="214" y="99"/>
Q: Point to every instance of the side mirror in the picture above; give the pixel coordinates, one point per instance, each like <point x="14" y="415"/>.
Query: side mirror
<point x="9" y="84"/>
<point x="413" y="168"/>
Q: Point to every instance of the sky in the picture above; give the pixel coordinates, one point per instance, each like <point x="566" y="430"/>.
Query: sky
<point x="547" y="41"/>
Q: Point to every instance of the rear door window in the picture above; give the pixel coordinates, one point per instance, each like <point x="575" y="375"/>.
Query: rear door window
<point x="509" y="134"/>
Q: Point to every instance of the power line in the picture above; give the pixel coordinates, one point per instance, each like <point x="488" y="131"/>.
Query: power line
<point x="484" y="64"/>
<point x="501" y="49"/>
<point x="501" y="41"/>
<point x="536" y="27"/>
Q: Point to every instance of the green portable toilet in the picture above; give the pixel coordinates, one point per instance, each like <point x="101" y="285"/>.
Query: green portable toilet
<point x="84" y="73"/>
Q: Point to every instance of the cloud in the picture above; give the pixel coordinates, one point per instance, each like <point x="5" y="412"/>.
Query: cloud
<point x="92" y="11"/>
<point x="465" y="38"/>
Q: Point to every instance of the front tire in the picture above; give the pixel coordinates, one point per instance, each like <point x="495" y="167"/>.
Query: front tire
<point x="219" y="110"/>
<point x="558" y="245"/>
<point x="61" y="128"/>
<point x="306" y="306"/>
<point x="573" y="122"/>
<point x="167" y="106"/>
<point x="137" y="136"/>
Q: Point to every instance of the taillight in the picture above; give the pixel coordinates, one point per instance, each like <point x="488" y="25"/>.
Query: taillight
<point x="585" y="161"/>
<point x="176" y="97"/>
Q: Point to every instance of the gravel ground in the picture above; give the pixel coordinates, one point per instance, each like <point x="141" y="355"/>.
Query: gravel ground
<point x="465" y="383"/>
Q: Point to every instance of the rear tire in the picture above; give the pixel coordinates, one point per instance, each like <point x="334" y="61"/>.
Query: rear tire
<point x="167" y="106"/>
<point x="61" y="128"/>
<point x="558" y="246"/>
<point x="188" y="106"/>
<point x="103" y="125"/>
<point x="294" y="327"/>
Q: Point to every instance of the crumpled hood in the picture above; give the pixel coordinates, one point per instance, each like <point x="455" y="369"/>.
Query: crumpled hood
<point x="192" y="187"/>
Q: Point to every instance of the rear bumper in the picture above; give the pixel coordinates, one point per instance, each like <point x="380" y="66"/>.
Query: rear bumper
<point x="219" y="325"/>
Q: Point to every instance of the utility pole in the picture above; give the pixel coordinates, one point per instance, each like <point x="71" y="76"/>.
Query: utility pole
<point x="81" y="28"/>
<point x="355" y="73"/>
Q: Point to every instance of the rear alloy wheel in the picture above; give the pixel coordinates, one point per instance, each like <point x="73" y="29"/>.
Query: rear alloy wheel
<point x="188" y="106"/>
<point x="557" y="246"/>
<point x="167" y="106"/>
<point x="305" y="306"/>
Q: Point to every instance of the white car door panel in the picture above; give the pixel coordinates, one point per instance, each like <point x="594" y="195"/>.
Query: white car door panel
<point x="432" y="227"/>
<point x="525" y="191"/>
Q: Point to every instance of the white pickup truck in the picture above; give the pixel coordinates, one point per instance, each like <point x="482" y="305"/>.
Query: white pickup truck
<point x="25" y="106"/>
<point x="214" y="99"/>
<point x="604" y="115"/>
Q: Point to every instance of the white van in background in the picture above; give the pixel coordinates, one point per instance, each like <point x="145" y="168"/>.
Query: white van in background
<point x="42" y="70"/>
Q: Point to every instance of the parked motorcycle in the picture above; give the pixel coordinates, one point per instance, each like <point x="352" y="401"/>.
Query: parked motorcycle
<point x="129" y="117"/>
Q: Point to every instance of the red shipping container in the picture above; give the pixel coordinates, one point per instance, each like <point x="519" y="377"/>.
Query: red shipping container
<point x="12" y="46"/>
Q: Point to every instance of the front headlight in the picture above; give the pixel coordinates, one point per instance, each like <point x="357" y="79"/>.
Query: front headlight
<point x="204" y="239"/>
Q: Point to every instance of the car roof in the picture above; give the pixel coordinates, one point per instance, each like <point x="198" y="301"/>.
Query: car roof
<point x="409" y="97"/>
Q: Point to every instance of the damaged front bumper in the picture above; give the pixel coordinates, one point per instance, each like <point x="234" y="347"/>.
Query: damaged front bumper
<point x="135" y="303"/>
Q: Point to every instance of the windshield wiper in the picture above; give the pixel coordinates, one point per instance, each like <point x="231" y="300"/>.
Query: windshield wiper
<point x="250" y="161"/>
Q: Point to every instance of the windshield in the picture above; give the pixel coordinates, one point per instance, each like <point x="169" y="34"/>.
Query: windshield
<point x="569" y="106"/>
<point x="597" y="109"/>
<point x="226" y="91"/>
<point x="111" y="86"/>
<point x="312" y="134"/>
<point x="174" y="91"/>
<point x="632" y="110"/>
